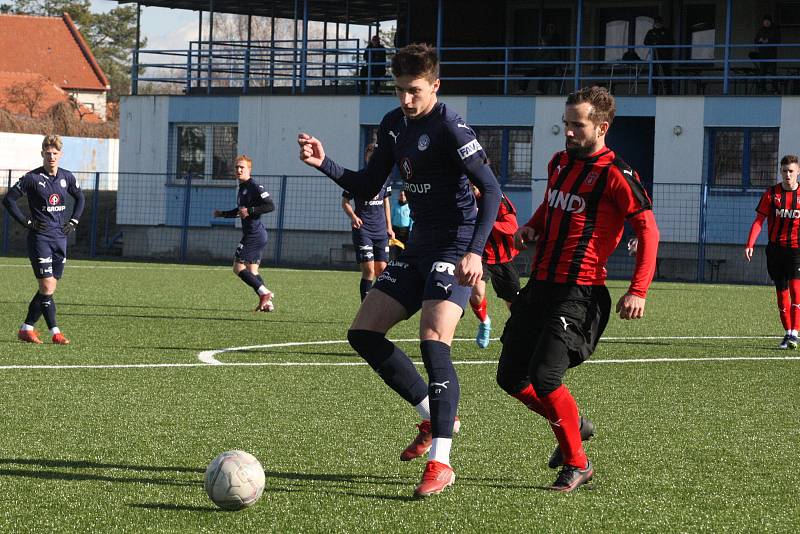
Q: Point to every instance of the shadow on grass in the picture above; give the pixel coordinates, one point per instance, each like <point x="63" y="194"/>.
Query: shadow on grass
<point x="171" y="507"/>
<point x="36" y="465"/>
<point x="341" y="484"/>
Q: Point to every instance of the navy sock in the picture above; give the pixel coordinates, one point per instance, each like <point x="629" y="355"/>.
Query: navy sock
<point x="49" y="310"/>
<point x="443" y="387"/>
<point x="391" y="364"/>
<point x="250" y="279"/>
<point x="260" y="281"/>
<point x="34" y="310"/>
<point x="365" y="286"/>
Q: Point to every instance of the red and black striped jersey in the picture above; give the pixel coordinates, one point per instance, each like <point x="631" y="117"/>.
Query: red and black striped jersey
<point x="500" y="245"/>
<point x="581" y="220"/>
<point x="782" y="210"/>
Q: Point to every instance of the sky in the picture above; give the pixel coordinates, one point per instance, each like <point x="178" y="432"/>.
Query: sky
<point x="169" y="29"/>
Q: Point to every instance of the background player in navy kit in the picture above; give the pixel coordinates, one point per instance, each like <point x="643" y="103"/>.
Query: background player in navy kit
<point x="780" y="205"/>
<point x="252" y="201"/>
<point x="558" y="318"/>
<point x="435" y="152"/>
<point x="46" y="188"/>
<point x="498" y="265"/>
<point x="372" y="228"/>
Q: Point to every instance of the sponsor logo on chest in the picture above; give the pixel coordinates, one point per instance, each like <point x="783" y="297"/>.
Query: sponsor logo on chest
<point x="565" y="201"/>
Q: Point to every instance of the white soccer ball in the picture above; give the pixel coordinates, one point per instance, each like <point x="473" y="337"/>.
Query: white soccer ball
<point x="234" y="480"/>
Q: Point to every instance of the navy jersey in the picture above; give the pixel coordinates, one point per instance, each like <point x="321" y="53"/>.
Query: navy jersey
<point x="47" y="199"/>
<point x="256" y="199"/>
<point x="371" y="211"/>
<point x="437" y="156"/>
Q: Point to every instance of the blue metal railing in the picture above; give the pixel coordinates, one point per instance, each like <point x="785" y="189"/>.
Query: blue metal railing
<point x="232" y="66"/>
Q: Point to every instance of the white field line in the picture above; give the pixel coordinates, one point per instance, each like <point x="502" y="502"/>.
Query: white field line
<point x="208" y="358"/>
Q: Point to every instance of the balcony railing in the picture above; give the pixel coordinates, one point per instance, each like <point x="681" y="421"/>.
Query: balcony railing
<point x="280" y="67"/>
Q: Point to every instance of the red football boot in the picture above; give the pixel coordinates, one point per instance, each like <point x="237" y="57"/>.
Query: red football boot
<point x="436" y="477"/>
<point x="29" y="336"/>
<point x="422" y="443"/>
<point x="59" y="339"/>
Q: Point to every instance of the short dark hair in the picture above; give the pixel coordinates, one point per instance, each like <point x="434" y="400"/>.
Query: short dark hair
<point x="788" y="159"/>
<point x="603" y="105"/>
<point x="418" y="60"/>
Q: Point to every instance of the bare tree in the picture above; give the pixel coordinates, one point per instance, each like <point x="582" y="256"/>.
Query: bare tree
<point x="28" y="94"/>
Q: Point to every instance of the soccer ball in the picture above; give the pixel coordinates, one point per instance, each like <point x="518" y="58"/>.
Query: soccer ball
<point x="234" y="480"/>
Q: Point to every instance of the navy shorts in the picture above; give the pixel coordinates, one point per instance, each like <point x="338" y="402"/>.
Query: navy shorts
<point x="369" y="248"/>
<point x="426" y="273"/>
<point x="251" y="247"/>
<point x="47" y="255"/>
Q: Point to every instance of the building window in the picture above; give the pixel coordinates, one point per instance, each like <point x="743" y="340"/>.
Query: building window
<point x="510" y="153"/>
<point x="743" y="157"/>
<point x="206" y="151"/>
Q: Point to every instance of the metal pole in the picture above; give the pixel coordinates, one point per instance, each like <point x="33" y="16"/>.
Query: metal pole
<point x="187" y="200"/>
<point x="726" y="67"/>
<point x="294" y="48"/>
<point x="324" y="50"/>
<point x="439" y="26"/>
<point x="578" y="33"/>
<point x="247" y="54"/>
<point x="199" y="47"/>
<point x="701" y="245"/>
<point x="272" y="49"/>
<point x="304" y="51"/>
<point x="93" y="227"/>
<point x="135" y="65"/>
<point x="6" y="218"/>
<point x="210" y="42"/>
<point x="281" y="218"/>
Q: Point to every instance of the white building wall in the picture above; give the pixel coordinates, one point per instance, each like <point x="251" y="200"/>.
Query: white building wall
<point x="144" y="158"/>
<point x="789" y="142"/>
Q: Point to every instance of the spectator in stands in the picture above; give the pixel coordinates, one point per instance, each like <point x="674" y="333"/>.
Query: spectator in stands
<point x="778" y="205"/>
<point x="371" y="222"/>
<point x="659" y="35"/>
<point x="375" y="68"/>
<point x="46" y="189"/>
<point x="767" y="34"/>
<point x="545" y="60"/>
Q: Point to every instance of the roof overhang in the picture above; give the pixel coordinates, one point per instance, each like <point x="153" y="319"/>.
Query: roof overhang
<point x="352" y="11"/>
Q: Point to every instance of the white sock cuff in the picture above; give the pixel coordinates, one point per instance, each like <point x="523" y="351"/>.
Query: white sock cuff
<point x="440" y="450"/>
<point x="424" y="408"/>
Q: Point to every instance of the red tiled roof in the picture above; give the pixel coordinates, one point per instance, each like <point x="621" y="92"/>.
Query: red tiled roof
<point x="52" y="47"/>
<point x="51" y="95"/>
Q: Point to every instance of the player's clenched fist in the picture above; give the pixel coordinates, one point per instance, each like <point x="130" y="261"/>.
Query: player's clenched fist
<point x="523" y="236"/>
<point x="311" y="151"/>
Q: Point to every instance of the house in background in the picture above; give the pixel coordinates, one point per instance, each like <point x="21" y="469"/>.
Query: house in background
<point x="48" y="59"/>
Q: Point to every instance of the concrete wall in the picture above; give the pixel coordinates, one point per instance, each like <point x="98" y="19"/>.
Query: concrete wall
<point x="22" y="152"/>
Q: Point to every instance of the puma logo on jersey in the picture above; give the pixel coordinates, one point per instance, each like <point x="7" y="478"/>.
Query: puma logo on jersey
<point x="628" y="171"/>
<point x="43" y="184"/>
<point x="564" y="322"/>
<point x="394" y="135"/>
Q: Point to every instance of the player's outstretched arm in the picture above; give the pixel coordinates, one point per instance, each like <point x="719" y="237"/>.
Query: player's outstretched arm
<point x="755" y="229"/>
<point x="631" y="304"/>
<point x="311" y="151"/>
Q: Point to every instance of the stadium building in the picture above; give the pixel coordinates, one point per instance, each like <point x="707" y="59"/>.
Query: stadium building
<point x="704" y="114"/>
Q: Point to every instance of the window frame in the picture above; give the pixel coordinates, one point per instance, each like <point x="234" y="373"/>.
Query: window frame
<point x="208" y="164"/>
<point x="746" y="131"/>
<point x="505" y="162"/>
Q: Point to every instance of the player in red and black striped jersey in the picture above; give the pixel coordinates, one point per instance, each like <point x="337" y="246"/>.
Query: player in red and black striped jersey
<point x="558" y="318"/>
<point x="498" y="265"/>
<point x="780" y="205"/>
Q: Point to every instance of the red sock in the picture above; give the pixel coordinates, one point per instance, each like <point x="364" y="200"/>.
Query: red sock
<point x="528" y="397"/>
<point x="784" y="303"/>
<point x="566" y="425"/>
<point x="794" y="294"/>
<point x="480" y="309"/>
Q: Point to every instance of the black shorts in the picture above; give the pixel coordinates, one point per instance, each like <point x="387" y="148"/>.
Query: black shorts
<point x="505" y="279"/>
<point x="783" y="264"/>
<point x="554" y="323"/>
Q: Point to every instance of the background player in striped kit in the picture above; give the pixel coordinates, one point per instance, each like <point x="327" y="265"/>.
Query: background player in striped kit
<point x="780" y="205"/>
<point x="46" y="188"/>
<point x="558" y="318"/>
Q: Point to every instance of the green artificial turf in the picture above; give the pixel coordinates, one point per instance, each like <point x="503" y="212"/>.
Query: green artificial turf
<point x="704" y="443"/>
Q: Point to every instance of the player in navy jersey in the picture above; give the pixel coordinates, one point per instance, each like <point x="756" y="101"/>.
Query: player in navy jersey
<point x="371" y="221"/>
<point x="780" y="205"/>
<point x="252" y="201"/>
<point x="437" y="154"/>
<point x="558" y="318"/>
<point x="48" y="226"/>
<point x="498" y="265"/>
